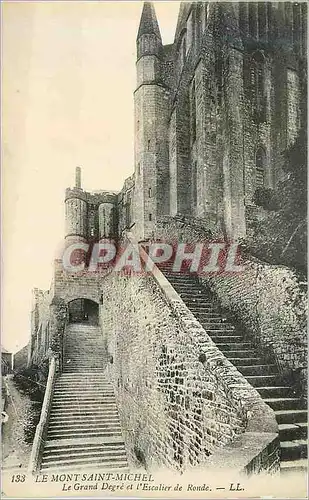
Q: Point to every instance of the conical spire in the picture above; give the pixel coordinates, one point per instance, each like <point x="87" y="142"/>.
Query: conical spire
<point x="148" y="24"/>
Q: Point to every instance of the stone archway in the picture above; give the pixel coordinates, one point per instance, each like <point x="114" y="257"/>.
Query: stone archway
<point x="82" y="310"/>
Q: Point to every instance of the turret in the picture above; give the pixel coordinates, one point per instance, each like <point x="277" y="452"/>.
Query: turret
<point x="149" y="47"/>
<point x="106" y="211"/>
<point x="75" y="212"/>
<point x="151" y="129"/>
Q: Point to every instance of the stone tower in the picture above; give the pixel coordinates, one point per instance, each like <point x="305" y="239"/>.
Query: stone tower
<point x="76" y="212"/>
<point x="151" y="100"/>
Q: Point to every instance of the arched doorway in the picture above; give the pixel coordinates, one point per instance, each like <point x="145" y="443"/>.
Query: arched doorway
<point x="83" y="311"/>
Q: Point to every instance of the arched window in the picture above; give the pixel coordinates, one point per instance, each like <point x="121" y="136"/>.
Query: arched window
<point x="258" y="87"/>
<point x="260" y="167"/>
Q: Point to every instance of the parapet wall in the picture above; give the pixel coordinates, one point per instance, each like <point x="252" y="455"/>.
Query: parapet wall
<point x="180" y="400"/>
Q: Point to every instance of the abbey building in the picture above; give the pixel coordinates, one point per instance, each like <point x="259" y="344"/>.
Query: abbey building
<point x="214" y="113"/>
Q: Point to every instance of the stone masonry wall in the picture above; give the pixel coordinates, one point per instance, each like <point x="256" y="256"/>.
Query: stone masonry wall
<point x="74" y="285"/>
<point x="180" y="400"/>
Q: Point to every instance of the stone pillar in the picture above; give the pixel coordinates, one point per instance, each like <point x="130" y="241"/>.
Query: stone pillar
<point x="106" y="220"/>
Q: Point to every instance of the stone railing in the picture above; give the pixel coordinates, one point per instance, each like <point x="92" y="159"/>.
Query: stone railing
<point x="172" y="372"/>
<point x="41" y="430"/>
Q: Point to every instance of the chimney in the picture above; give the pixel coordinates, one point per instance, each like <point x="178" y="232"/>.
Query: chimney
<point x="78" y="175"/>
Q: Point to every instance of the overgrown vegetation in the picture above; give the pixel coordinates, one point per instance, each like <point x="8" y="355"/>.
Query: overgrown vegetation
<point x="281" y="236"/>
<point x="31" y="382"/>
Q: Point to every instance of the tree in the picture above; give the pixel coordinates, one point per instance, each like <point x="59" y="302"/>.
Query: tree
<point x="281" y="237"/>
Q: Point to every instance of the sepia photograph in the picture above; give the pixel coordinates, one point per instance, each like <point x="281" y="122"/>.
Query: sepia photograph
<point x="154" y="243"/>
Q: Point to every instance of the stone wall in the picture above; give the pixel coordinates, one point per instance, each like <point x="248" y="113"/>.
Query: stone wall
<point x="75" y="285"/>
<point x="40" y="325"/>
<point x="270" y="303"/>
<point x="180" y="400"/>
<point x="267" y="300"/>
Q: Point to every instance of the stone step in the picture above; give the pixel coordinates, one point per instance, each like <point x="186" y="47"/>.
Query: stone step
<point x="275" y="391"/>
<point x="261" y="380"/>
<point x="222" y="332"/>
<point x="81" y="394"/>
<point x="240" y="361"/>
<point x="217" y="326"/>
<point x="283" y="403"/>
<point x="86" y="397"/>
<point x="87" y="363"/>
<point x="215" y="319"/>
<point x="291" y="432"/>
<point x="222" y="339"/>
<point x="66" y="434"/>
<point x="85" y="338"/>
<point x="100" y="352"/>
<point x="185" y="283"/>
<point x="227" y="347"/>
<point x="82" y="415"/>
<point x="85" y="355"/>
<point x="294" y="466"/>
<point x="258" y="370"/>
<point x="85" y="411"/>
<point x="245" y="353"/>
<point x="82" y="443"/>
<point x="89" y="376"/>
<point x="85" y="424"/>
<point x="84" y="420"/>
<point x="196" y="307"/>
<point x="110" y="455"/>
<point x="207" y="315"/>
<point x="86" y="405"/>
<point x="83" y="387"/>
<point x="86" y="329"/>
<point x="83" y="380"/>
<point x="293" y="450"/>
<point x="69" y="413"/>
<point x="291" y="416"/>
<point x="80" y="369"/>
<point x="78" y="432"/>
<point x="196" y="299"/>
<point x="85" y="463"/>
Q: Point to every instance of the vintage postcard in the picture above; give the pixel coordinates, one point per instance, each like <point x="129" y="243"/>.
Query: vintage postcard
<point x="154" y="319"/>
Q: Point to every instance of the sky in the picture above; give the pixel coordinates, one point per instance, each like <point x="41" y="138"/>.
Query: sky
<point x="68" y="76"/>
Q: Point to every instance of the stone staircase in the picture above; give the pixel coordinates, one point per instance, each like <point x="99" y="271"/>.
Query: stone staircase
<point x="258" y="368"/>
<point x="84" y="428"/>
